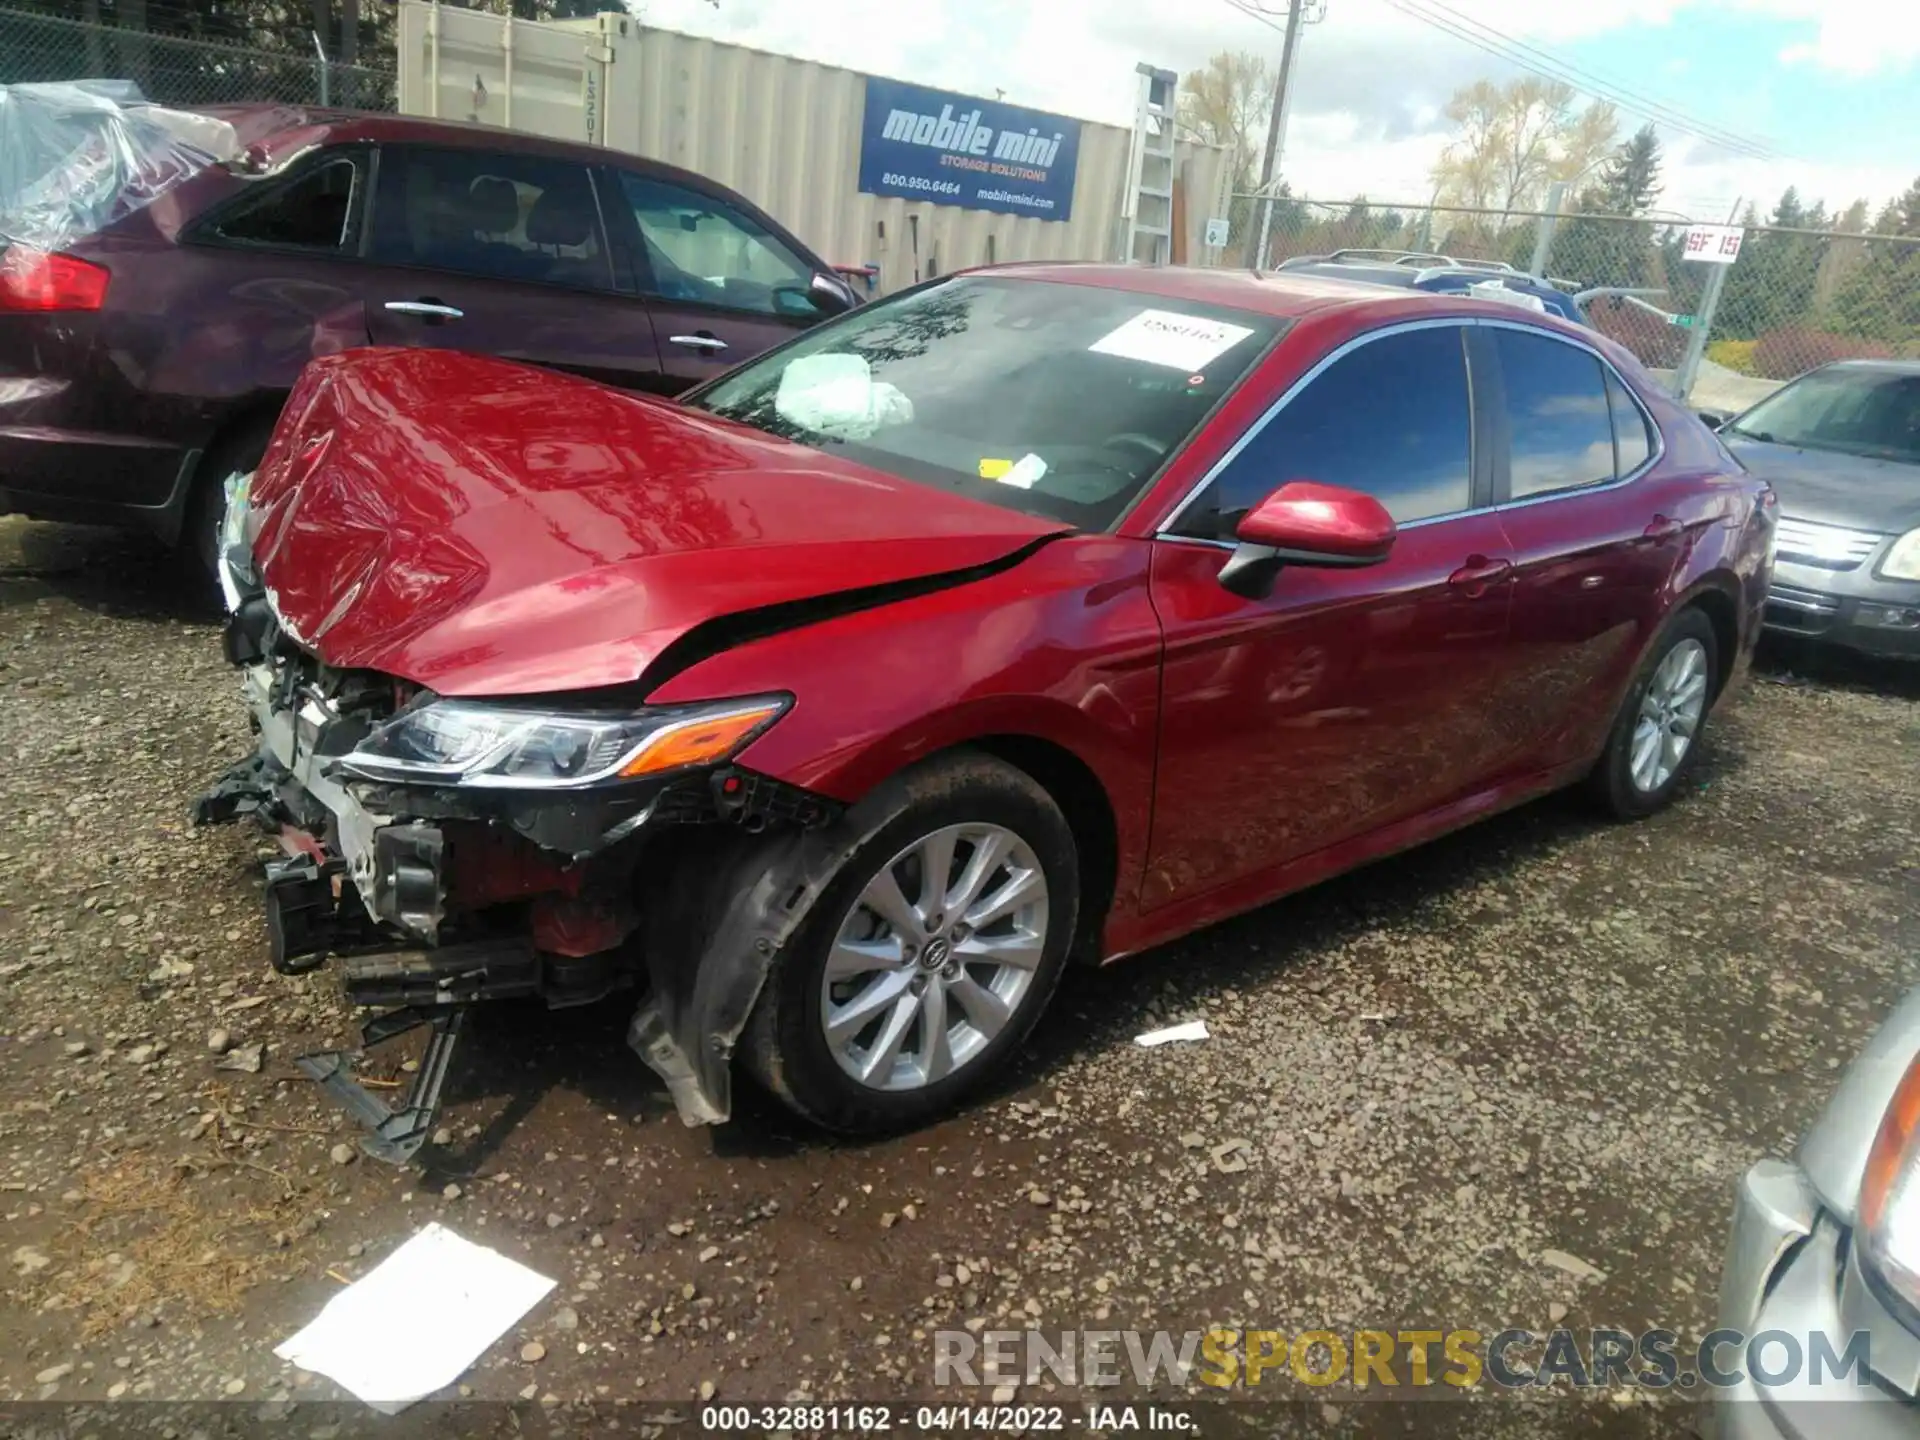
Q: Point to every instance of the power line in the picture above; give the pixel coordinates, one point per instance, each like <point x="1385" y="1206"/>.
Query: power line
<point x="1653" y="106"/>
<point x="1544" y="63"/>
<point x="1255" y="13"/>
<point x="1517" y="52"/>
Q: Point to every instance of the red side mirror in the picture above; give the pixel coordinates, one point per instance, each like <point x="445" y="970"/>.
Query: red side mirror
<point x="1307" y="523"/>
<point x="1320" y="525"/>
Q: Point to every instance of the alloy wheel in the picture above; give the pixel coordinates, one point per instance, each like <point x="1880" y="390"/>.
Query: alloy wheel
<point x="935" y="957"/>
<point x="1670" y="711"/>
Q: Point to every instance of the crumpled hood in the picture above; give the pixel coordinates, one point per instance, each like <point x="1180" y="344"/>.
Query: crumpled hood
<point x="1830" y="488"/>
<point x="483" y="528"/>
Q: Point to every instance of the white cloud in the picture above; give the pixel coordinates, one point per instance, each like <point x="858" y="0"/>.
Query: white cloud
<point x="1851" y="37"/>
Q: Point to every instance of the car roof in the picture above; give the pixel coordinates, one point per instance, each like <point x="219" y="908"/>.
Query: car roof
<point x="1283" y="294"/>
<point x="276" y="133"/>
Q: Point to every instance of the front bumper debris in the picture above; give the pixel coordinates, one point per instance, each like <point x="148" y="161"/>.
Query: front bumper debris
<point x="393" y="1135"/>
<point x="434" y="899"/>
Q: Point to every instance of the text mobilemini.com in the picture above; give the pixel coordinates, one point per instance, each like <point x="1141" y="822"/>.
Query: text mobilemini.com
<point x="1399" y="1364"/>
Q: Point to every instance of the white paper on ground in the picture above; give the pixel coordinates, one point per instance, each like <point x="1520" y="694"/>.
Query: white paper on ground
<point x="1164" y="337"/>
<point x="417" y="1320"/>
<point x="1192" y="1030"/>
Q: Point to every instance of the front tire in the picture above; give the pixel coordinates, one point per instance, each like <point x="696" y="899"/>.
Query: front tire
<point x="928" y="958"/>
<point x="1656" y="734"/>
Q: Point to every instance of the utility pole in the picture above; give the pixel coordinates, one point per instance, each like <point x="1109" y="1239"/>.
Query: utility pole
<point x="1277" y="126"/>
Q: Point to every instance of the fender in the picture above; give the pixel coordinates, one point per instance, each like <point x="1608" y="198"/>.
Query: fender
<point x="1064" y="647"/>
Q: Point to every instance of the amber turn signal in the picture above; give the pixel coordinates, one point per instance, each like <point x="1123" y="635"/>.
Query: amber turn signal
<point x="703" y="740"/>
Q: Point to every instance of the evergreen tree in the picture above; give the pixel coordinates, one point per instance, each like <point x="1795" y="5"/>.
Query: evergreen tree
<point x="1630" y="183"/>
<point x="1611" y="251"/>
<point x="1880" y="297"/>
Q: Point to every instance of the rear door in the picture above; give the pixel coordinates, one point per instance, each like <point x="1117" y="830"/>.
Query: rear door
<point x="1596" y="539"/>
<point x="1345" y="700"/>
<point x="721" y="284"/>
<point x="501" y="253"/>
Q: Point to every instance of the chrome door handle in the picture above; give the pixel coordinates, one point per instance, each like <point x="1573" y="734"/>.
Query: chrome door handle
<point x="698" y="342"/>
<point x="430" y="308"/>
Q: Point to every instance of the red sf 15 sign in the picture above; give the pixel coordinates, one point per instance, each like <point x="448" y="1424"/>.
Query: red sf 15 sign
<point x="1716" y="244"/>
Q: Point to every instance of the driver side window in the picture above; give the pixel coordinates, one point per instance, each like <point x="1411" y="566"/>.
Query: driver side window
<point x="701" y="250"/>
<point x="1389" y="418"/>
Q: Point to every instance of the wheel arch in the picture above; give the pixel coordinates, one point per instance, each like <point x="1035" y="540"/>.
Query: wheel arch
<point x="1094" y="760"/>
<point x="1088" y="809"/>
<point x="1716" y="595"/>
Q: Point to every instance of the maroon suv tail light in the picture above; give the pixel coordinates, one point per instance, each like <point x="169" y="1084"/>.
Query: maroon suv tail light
<point x="38" y="281"/>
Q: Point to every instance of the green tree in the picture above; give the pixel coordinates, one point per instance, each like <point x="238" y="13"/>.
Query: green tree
<point x="1880" y="297"/>
<point x="1613" y="251"/>
<point x="1630" y="183"/>
<point x="1772" y="285"/>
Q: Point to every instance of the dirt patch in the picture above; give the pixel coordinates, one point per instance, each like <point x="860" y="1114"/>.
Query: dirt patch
<point x="142" y="1238"/>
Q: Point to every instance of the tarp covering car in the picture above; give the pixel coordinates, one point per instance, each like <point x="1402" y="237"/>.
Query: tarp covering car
<point x="77" y="156"/>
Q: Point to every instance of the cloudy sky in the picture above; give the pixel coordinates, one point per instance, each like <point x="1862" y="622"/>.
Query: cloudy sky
<point x="1832" y="87"/>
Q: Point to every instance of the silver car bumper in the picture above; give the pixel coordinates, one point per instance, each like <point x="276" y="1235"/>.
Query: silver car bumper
<point x="1791" y="1271"/>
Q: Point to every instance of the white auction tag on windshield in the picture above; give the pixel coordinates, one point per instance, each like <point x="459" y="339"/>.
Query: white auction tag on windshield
<point x="1165" y="337"/>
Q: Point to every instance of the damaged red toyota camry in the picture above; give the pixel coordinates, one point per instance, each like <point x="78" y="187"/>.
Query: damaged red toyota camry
<point x="1036" y="614"/>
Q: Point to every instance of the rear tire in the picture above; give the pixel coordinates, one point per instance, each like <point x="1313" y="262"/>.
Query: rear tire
<point x="238" y="452"/>
<point x="1665" y="710"/>
<point x="1007" y="848"/>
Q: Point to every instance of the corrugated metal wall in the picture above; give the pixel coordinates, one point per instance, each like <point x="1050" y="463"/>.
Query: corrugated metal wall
<point x="783" y="132"/>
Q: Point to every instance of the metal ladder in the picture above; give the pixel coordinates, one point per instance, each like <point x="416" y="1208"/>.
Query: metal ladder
<point x="1146" y="217"/>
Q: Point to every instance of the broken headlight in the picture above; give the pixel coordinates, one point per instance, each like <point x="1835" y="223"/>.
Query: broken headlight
<point x="465" y="742"/>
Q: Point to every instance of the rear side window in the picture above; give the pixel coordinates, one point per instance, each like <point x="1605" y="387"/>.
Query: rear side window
<point x="508" y="217"/>
<point x="1558" y="420"/>
<point x="315" y="210"/>
<point x="1389" y="418"/>
<point x="1632" y="445"/>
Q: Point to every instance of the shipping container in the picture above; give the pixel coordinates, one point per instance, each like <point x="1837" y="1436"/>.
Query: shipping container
<point x="782" y="131"/>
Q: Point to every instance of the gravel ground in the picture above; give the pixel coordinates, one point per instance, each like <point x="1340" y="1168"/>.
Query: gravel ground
<point x="1543" y="1035"/>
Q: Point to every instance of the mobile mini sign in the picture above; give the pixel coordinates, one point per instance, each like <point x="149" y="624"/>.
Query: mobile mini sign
<point x="952" y="149"/>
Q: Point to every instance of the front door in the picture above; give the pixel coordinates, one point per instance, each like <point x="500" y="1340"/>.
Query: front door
<point x="1346" y="699"/>
<point x="721" y="286"/>
<point x="499" y="253"/>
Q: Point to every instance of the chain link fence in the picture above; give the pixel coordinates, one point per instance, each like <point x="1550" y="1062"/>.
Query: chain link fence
<point x="1793" y="300"/>
<point x="177" y="71"/>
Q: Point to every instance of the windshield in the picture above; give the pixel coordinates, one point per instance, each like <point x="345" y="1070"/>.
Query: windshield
<point x="1860" y="412"/>
<point x="1054" y="399"/>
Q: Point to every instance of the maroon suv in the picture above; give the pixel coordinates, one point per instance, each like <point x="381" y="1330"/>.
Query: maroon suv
<point x="143" y="361"/>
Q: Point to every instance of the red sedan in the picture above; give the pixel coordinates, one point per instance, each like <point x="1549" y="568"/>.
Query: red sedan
<point x="1039" y="613"/>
